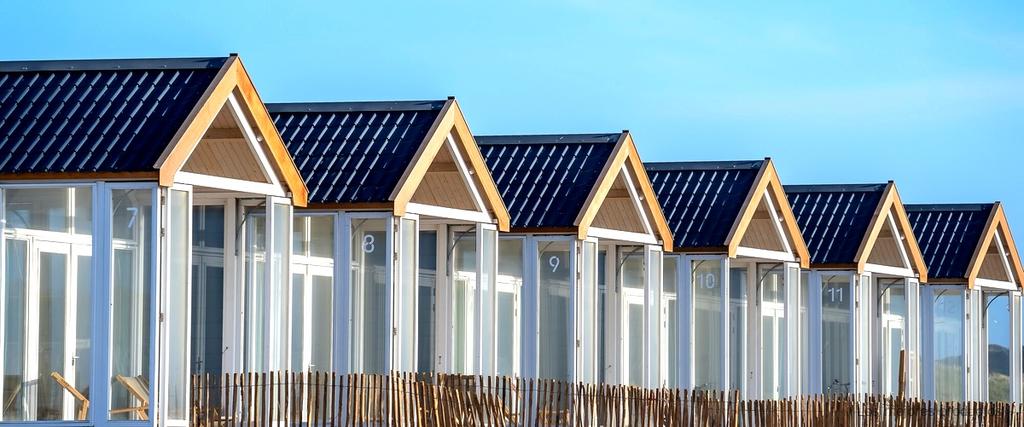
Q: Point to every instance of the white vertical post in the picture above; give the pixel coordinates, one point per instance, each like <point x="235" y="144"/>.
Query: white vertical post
<point x="814" y="326"/>
<point x="652" y="264"/>
<point x="791" y="347"/>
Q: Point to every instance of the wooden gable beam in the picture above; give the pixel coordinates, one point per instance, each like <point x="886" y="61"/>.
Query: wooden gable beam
<point x="996" y="221"/>
<point x="624" y="154"/>
<point x="891" y="202"/>
<point x="232" y="78"/>
<point x="482" y="173"/>
<point x="768" y="182"/>
<point x="450" y="120"/>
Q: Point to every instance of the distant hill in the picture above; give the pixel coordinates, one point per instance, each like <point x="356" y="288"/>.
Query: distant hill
<point x="999" y="359"/>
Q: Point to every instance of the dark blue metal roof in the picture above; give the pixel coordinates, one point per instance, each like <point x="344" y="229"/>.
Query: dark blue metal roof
<point x="545" y="179"/>
<point x="353" y="152"/>
<point x="834" y="218"/>
<point x="701" y="200"/>
<point x="95" y="115"/>
<point x="948" y="235"/>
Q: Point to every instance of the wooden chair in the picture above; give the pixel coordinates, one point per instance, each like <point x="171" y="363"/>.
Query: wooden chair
<point x="83" y="411"/>
<point x="138" y="387"/>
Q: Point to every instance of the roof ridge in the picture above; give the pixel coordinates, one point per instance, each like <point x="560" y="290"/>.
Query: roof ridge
<point x="704" y="164"/>
<point x="113" y="64"/>
<point x="950" y="207"/>
<point x="834" y="188"/>
<point x="354" y="106"/>
<point x="564" y="138"/>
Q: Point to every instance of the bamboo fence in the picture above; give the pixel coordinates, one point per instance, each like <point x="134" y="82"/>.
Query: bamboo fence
<point x="326" y="399"/>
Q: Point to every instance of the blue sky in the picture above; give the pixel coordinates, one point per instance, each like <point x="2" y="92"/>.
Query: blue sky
<point x="930" y="95"/>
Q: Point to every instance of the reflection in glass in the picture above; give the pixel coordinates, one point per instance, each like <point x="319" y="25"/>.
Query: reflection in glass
<point x="836" y="334"/>
<point x="369" y="300"/>
<point x="773" y="330"/>
<point x="554" y="278"/>
<point x="893" y="331"/>
<point x="207" y="289"/>
<point x="510" y="282"/>
<point x="738" y="329"/>
<point x="425" y="301"/>
<point x="130" y="312"/>
<point x="708" y="328"/>
<point x="949" y="345"/>
<point x="670" y="286"/>
<point x="464" y="282"/>
<point x="997" y="324"/>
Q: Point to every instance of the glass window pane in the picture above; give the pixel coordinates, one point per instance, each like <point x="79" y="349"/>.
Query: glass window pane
<point x="177" y="304"/>
<point x="997" y="325"/>
<point x="488" y="281"/>
<point x="322" y="326"/>
<point x="510" y="282"/>
<point x="554" y="278"/>
<point x="892" y="327"/>
<point x="949" y="345"/>
<point x="836" y="335"/>
<point x="635" y="344"/>
<point x="298" y="319"/>
<point x="38" y="208"/>
<point x="425" y="301"/>
<point x="280" y="280"/>
<point x="588" y="305"/>
<point x="407" y="318"/>
<point x="602" y="290"/>
<point x="707" y="324"/>
<point x="464" y="283"/>
<point x="14" y="346"/>
<point x="738" y="279"/>
<point x="670" y="279"/>
<point x="369" y="295"/>
<point x="131" y="313"/>
<point x="632" y="260"/>
<point x="321" y="236"/>
<point x="773" y="318"/>
<point x="51" y="356"/>
<point x="207" y="289"/>
<point x="256" y="291"/>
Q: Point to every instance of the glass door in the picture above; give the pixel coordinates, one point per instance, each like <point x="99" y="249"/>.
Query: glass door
<point x="891" y="333"/>
<point x="510" y="284"/>
<point x="773" y="331"/>
<point x="631" y="277"/>
<point x="837" y="351"/>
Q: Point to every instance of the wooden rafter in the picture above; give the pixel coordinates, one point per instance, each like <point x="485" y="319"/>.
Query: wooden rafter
<point x="768" y="183"/>
<point x="450" y="121"/>
<point x="891" y="202"/>
<point x="996" y="222"/>
<point x="231" y="79"/>
<point x="624" y="154"/>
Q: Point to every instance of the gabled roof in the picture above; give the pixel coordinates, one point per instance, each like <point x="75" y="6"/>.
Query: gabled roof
<point x="841" y="223"/>
<point x="954" y="239"/>
<point x="90" y="116"/>
<point x="545" y="179"/>
<point x="354" y="152"/>
<point x="371" y="155"/>
<point x="559" y="183"/>
<point x="710" y="204"/>
<point x="125" y="118"/>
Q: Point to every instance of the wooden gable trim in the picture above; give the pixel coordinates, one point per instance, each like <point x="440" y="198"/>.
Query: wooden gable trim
<point x="996" y="221"/>
<point x="482" y="173"/>
<point x="450" y="120"/>
<point x="768" y="182"/>
<point x="232" y="78"/>
<point x="891" y="202"/>
<point x="624" y="154"/>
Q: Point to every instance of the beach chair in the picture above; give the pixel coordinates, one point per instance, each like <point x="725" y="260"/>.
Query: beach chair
<point x="83" y="411"/>
<point x="138" y="388"/>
